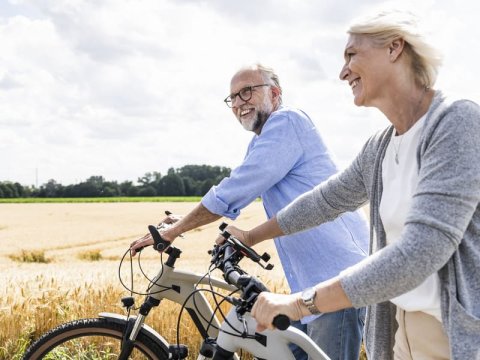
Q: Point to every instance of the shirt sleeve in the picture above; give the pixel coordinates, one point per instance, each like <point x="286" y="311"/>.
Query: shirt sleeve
<point x="271" y="156"/>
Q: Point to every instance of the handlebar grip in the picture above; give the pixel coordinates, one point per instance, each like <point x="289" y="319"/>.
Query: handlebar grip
<point x="168" y="212"/>
<point x="159" y="243"/>
<point x="222" y="226"/>
<point x="281" y="322"/>
<point x="139" y="249"/>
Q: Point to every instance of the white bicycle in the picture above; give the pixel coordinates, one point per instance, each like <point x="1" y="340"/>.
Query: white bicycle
<point x="115" y="336"/>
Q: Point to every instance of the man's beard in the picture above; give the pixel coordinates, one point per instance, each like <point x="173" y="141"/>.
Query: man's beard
<point x="258" y="121"/>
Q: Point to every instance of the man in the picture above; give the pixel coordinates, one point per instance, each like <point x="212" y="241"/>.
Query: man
<point x="285" y="159"/>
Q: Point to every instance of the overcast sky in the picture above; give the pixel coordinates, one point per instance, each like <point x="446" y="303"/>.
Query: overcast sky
<point x="119" y="88"/>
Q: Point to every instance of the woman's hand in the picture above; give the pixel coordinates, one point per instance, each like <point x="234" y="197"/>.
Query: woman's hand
<point x="268" y="305"/>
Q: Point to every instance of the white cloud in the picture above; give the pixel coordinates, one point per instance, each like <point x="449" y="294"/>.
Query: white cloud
<point x="120" y="88"/>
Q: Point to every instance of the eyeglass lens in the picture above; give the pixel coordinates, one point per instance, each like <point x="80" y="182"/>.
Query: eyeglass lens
<point x="245" y="94"/>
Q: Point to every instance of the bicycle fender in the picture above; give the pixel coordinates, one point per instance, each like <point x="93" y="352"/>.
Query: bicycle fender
<point x="146" y="330"/>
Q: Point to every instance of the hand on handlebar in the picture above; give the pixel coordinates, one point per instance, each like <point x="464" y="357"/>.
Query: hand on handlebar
<point x="270" y="305"/>
<point x="139" y="244"/>
<point x="162" y="242"/>
<point x="236" y="232"/>
<point x="170" y="218"/>
<point x="159" y="241"/>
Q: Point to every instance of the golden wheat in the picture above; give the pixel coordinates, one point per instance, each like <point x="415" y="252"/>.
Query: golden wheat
<point x="36" y="297"/>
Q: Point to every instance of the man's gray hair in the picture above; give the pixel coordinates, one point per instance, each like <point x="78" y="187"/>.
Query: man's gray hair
<point x="269" y="77"/>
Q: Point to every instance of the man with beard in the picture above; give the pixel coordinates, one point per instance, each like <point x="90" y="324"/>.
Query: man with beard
<point x="285" y="159"/>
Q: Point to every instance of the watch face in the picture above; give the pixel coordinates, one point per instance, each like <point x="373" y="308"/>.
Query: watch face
<point x="308" y="294"/>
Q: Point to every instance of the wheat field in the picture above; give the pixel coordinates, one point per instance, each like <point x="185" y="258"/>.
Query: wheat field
<point x="59" y="262"/>
<point x="71" y="284"/>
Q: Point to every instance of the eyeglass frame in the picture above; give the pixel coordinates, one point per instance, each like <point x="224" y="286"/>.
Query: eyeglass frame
<point x="230" y="99"/>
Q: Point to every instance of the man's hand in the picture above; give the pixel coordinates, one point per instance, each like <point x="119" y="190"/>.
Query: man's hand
<point x="268" y="305"/>
<point x="239" y="234"/>
<point x="139" y="244"/>
<point x="171" y="218"/>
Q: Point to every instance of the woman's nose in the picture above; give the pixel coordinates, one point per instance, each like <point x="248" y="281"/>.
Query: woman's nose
<point x="344" y="72"/>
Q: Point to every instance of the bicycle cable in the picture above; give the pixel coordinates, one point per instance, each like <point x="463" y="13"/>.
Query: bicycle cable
<point x="224" y="298"/>
<point x="217" y="307"/>
<point x="247" y="336"/>
<point x="214" y="293"/>
<point x="131" y="288"/>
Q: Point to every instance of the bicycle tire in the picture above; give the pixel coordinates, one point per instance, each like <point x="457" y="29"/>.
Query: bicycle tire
<point x="51" y="344"/>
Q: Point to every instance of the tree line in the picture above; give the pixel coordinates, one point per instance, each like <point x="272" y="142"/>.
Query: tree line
<point x="189" y="180"/>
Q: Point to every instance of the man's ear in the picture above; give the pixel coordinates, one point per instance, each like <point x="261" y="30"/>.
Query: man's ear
<point x="275" y="92"/>
<point x="395" y="49"/>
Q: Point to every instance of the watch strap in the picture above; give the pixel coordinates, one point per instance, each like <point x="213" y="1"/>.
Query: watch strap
<point x="309" y="302"/>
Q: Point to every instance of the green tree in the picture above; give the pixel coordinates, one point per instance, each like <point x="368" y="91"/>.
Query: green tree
<point x="150" y="178"/>
<point x="190" y="186"/>
<point x="7" y="190"/>
<point x="51" y="189"/>
<point x="203" y="172"/>
<point x="205" y="186"/>
<point x="188" y="180"/>
<point x="110" y="190"/>
<point x="172" y="185"/>
<point x="126" y="188"/>
<point x="19" y="189"/>
<point x="147" y="191"/>
<point x="198" y="179"/>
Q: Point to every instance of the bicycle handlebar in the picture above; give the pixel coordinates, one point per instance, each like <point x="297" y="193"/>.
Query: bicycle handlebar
<point x="233" y="251"/>
<point x="159" y="243"/>
<point x="226" y="257"/>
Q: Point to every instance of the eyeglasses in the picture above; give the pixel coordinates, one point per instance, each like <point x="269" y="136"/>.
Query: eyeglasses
<point x="245" y="94"/>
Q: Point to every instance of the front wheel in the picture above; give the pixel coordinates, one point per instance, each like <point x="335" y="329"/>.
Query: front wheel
<point x="98" y="339"/>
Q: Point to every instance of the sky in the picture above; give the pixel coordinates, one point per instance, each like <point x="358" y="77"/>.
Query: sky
<point x="119" y="88"/>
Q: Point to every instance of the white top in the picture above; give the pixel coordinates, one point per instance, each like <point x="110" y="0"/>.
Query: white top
<point x="399" y="184"/>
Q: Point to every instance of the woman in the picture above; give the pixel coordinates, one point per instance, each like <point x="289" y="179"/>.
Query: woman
<point x="421" y="177"/>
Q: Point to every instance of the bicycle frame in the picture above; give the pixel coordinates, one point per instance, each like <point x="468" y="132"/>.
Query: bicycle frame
<point x="266" y="345"/>
<point x="270" y="344"/>
<point x="185" y="282"/>
<point x="222" y="340"/>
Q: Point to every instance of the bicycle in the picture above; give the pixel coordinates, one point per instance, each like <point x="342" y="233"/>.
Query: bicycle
<point x="115" y="336"/>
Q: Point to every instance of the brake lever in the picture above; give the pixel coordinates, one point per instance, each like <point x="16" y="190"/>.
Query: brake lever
<point x="159" y="243"/>
<point x="239" y="246"/>
<point x="245" y="250"/>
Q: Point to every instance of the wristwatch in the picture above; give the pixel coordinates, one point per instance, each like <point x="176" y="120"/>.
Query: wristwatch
<point x="308" y="297"/>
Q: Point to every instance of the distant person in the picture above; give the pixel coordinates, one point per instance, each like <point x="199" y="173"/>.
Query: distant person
<point x="286" y="158"/>
<point x="421" y="176"/>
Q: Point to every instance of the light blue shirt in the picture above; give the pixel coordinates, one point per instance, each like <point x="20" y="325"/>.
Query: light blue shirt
<point x="287" y="159"/>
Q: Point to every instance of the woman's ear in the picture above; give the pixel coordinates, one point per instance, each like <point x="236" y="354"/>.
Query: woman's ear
<point x="395" y="49"/>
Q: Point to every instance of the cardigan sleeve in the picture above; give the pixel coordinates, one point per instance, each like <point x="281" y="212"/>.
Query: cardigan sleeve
<point x="443" y="208"/>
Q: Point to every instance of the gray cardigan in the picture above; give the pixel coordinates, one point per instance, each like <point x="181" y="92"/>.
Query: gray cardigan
<point x="441" y="233"/>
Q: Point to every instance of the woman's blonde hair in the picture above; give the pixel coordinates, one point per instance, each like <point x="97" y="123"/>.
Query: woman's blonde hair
<point x="387" y="26"/>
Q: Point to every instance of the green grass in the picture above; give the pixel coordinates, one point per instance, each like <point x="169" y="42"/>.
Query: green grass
<point x="103" y="199"/>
